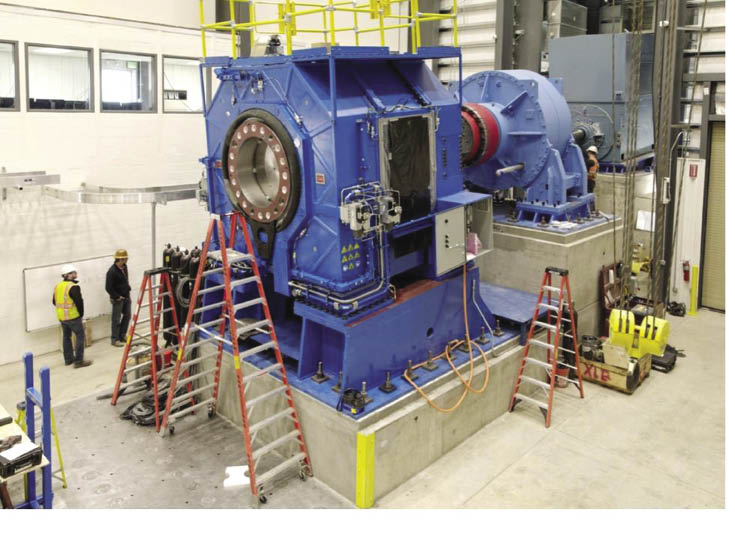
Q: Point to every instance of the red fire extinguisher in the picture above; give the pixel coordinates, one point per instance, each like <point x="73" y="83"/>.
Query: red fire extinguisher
<point x="686" y="269"/>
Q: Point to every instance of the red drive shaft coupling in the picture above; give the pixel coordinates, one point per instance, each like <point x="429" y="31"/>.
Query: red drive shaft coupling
<point x="480" y="134"/>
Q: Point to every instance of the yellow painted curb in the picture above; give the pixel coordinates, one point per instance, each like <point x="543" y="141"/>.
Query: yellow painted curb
<point x="365" y="470"/>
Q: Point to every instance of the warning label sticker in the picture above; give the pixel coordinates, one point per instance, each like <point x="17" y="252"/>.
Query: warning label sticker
<point x="320" y="178"/>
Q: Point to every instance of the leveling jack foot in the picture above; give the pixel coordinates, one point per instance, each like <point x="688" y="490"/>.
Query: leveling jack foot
<point x="483" y="339"/>
<point x="409" y="371"/>
<point x="430" y="364"/>
<point x="387" y="387"/>
<point x="464" y="347"/>
<point x="338" y="387"/>
<point x="320" y="377"/>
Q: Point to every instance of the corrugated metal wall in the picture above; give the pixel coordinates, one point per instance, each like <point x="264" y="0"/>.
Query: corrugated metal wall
<point x="476" y="36"/>
<point x="713" y="268"/>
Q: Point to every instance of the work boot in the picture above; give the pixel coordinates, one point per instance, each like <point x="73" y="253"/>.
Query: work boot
<point x="82" y="363"/>
<point x="117" y="343"/>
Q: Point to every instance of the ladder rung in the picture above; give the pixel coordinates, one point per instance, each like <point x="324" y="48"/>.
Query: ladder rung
<point x="212" y="336"/>
<point x="541" y="404"/>
<point x="271" y="419"/>
<point x="187" y="363"/>
<point x="552" y="289"/>
<point x="261" y="372"/>
<point x="147" y="349"/>
<point x="136" y="381"/>
<point x="208" y="324"/>
<point x="209" y="306"/>
<point x="211" y="339"/>
<point x="147" y="333"/>
<point x="233" y="256"/>
<point x="541" y="344"/>
<point x="535" y="382"/>
<point x="250" y="327"/>
<point x="248" y="304"/>
<point x="566" y="378"/>
<point x="267" y="395"/>
<point x="255" y="350"/>
<point x="190" y="409"/>
<point x="236" y="283"/>
<point x="192" y="392"/>
<point x="263" y="478"/>
<point x="551" y="327"/>
<point x="258" y="453"/>
<point x="539" y="363"/>
<point x="183" y="380"/>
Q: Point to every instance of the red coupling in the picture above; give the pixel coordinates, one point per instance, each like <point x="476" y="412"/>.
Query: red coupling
<point x="489" y="132"/>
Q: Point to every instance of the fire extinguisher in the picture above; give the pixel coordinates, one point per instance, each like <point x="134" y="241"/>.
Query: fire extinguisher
<point x="686" y="269"/>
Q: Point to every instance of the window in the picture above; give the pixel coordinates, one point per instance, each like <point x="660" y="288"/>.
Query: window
<point x="59" y="78"/>
<point x="8" y="76"/>
<point x="182" y="90"/>
<point x="127" y="82"/>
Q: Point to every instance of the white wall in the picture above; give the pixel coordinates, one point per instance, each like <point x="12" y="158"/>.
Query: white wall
<point x="168" y="12"/>
<point x="132" y="150"/>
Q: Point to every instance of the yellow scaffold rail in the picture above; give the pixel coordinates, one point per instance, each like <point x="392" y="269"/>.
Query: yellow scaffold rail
<point x="289" y="11"/>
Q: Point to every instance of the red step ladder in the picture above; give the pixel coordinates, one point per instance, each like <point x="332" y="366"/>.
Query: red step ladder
<point x="154" y="289"/>
<point x="226" y="262"/>
<point x="552" y="325"/>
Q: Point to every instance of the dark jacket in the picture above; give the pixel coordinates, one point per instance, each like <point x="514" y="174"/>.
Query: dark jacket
<point x="116" y="284"/>
<point x="75" y="293"/>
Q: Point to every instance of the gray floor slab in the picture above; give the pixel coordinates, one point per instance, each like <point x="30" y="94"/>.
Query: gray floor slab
<point x="662" y="447"/>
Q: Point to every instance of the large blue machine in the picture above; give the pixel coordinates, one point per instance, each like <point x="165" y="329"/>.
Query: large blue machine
<point x="360" y="175"/>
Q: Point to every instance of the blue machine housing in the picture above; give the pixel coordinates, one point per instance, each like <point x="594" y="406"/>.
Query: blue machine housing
<point x="535" y="133"/>
<point x="361" y="304"/>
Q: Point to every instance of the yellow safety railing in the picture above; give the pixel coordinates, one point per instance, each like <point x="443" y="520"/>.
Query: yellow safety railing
<point x="371" y="11"/>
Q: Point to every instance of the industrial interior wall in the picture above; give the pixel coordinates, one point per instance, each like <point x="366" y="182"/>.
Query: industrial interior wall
<point x="184" y="13"/>
<point x="105" y="149"/>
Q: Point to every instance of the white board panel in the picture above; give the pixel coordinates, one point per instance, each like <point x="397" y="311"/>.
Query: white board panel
<point x="39" y="283"/>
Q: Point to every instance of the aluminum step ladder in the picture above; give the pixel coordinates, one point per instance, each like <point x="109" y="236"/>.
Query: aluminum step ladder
<point x="278" y="433"/>
<point x="143" y="359"/>
<point x="560" y="306"/>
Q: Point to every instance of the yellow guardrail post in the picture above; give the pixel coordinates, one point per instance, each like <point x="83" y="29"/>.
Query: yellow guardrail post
<point x="251" y="12"/>
<point x="232" y="28"/>
<point x="415" y="29"/>
<point x="201" y="23"/>
<point x="454" y="23"/>
<point x="331" y="23"/>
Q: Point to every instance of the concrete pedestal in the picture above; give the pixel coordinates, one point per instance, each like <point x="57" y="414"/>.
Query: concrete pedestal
<point x="364" y="459"/>
<point x="521" y="255"/>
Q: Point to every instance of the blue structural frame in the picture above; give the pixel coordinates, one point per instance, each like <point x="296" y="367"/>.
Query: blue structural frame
<point x="535" y="130"/>
<point x="41" y="400"/>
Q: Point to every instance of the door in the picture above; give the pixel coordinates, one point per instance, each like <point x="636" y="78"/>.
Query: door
<point x="713" y="267"/>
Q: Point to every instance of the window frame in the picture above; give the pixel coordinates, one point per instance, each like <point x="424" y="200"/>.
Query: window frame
<point x="154" y="57"/>
<point x="90" y="64"/>
<point x="16" y="61"/>
<point x="163" y="85"/>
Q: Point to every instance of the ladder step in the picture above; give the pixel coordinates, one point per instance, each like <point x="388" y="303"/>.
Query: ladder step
<point x="261" y="372"/>
<point x="567" y="379"/>
<point x="270" y="420"/>
<point x="552" y="327"/>
<point x="209" y="324"/>
<point x="250" y="327"/>
<point x="541" y="404"/>
<point x="259" y="349"/>
<point x="268" y="475"/>
<point x="236" y="283"/>
<point x="190" y="409"/>
<point x="194" y="377"/>
<point x="551" y="289"/>
<point x="248" y="304"/>
<point x="540" y="343"/>
<point x="255" y="400"/>
<point x="192" y="392"/>
<point x="534" y="381"/>
<point x="539" y="363"/>
<point x="209" y="307"/>
<point x="260" y="452"/>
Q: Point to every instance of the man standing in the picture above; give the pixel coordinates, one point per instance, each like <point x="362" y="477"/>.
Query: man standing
<point x="67" y="299"/>
<point x="118" y="287"/>
<point x="593" y="166"/>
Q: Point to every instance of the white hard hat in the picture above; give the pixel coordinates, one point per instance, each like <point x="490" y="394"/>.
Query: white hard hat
<point x="67" y="269"/>
<point x="592" y="148"/>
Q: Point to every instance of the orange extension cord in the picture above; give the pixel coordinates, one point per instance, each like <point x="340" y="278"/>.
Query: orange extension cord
<point x="449" y="348"/>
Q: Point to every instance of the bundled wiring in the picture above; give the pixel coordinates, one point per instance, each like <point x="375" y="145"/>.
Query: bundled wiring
<point x="447" y="355"/>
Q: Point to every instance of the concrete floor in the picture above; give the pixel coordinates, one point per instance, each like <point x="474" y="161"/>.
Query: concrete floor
<point x="662" y="447"/>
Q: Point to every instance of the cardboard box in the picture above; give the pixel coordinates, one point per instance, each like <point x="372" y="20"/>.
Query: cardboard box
<point x="626" y="379"/>
<point x="615" y="355"/>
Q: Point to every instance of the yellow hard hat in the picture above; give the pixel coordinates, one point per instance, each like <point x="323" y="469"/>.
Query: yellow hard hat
<point x="121" y="253"/>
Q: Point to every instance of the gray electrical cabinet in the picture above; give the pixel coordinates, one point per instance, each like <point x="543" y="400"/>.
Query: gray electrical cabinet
<point x="585" y="65"/>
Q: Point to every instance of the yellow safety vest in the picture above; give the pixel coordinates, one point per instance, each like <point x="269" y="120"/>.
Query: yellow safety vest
<point x="65" y="307"/>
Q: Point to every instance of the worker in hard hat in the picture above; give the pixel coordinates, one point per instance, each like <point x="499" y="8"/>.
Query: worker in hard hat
<point x="593" y="166"/>
<point x="118" y="287"/>
<point x="67" y="299"/>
